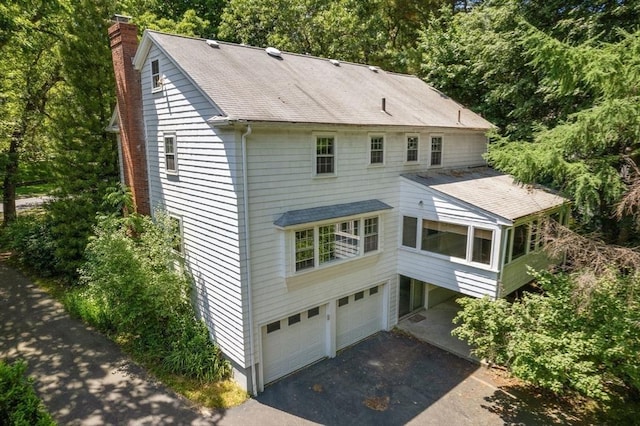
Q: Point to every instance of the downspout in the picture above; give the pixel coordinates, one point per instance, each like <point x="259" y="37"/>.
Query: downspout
<point x="247" y="241"/>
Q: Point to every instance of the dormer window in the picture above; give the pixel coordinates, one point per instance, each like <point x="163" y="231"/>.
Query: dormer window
<point x="156" y="83"/>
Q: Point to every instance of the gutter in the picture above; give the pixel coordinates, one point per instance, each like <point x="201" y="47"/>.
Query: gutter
<point x="247" y="240"/>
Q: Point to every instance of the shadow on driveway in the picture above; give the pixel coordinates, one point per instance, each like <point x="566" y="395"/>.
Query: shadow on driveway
<point x="393" y="379"/>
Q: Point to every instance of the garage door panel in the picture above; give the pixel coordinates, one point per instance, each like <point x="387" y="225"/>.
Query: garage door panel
<point x="299" y="341"/>
<point x="358" y="316"/>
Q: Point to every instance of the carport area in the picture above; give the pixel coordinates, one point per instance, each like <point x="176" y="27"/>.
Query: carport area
<point x="434" y="326"/>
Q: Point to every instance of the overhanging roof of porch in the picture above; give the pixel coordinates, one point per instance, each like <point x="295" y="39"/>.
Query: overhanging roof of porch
<point x="491" y="191"/>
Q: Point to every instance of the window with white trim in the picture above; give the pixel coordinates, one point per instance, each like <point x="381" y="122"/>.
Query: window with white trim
<point x="376" y="149"/>
<point x="436" y="151"/>
<point x="304" y="249"/>
<point x="334" y="242"/>
<point x="156" y="81"/>
<point x="325" y="155"/>
<point x="466" y="242"/>
<point x="170" y="154"/>
<point x="412" y="148"/>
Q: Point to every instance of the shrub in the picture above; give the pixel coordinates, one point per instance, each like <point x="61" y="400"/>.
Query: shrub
<point x="135" y="288"/>
<point x="19" y="404"/>
<point x="581" y="334"/>
<point x="30" y="238"/>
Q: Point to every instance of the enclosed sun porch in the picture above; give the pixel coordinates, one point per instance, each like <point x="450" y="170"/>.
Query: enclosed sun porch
<point x="470" y="232"/>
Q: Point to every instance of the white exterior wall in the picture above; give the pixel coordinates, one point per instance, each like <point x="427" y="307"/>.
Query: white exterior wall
<point x="206" y="194"/>
<point x="449" y="272"/>
<point x="281" y="168"/>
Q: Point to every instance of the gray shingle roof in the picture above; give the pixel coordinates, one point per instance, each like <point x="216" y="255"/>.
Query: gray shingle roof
<point x="248" y="84"/>
<point x="298" y="217"/>
<point x="491" y="191"/>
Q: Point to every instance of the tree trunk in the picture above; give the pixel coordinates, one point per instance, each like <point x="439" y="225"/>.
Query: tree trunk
<point x="10" y="175"/>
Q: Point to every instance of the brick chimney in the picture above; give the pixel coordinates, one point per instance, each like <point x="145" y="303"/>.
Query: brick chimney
<point x="123" y="37"/>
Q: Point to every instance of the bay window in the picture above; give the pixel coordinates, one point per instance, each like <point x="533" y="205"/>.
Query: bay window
<point x="334" y="242"/>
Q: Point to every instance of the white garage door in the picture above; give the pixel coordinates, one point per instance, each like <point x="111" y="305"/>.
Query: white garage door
<point x="358" y="316"/>
<point x="293" y="342"/>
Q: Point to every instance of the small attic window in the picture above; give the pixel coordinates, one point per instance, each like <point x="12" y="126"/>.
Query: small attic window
<point x="156" y="84"/>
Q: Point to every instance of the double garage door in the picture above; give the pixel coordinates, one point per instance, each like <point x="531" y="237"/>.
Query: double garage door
<point x="305" y="337"/>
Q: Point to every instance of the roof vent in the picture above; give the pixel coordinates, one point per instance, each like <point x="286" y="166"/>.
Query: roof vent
<point x="213" y="43"/>
<point x="272" y="51"/>
<point x="335" y="62"/>
<point x="372" y="68"/>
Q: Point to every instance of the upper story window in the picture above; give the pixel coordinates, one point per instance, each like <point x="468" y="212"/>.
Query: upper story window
<point x="324" y="244"/>
<point x="412" y="148"/>
<point x="436" y="151"/>
<point x="156" y="82"/>
<point x="376" y="150"/>
<point x="170" y="154"/>
<point x="325" y="155"/>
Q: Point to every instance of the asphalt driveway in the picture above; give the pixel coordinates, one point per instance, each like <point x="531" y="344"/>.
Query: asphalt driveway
<point x="391" y="379"/>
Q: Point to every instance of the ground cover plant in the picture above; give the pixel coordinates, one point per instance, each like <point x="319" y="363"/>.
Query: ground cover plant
<point x="19" y="404"/>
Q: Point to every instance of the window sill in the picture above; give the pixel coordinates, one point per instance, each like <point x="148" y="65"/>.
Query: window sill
<point x="325" y="176"/>
<point x="451" y="259"/>
<point x="156" y="89"/>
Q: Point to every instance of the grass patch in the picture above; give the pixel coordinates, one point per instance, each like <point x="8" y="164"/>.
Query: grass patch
<point x="223" y="394"/>
<point x="35" y="190"/>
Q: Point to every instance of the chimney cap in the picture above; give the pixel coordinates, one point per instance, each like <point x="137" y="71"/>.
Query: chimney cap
<point x="120" y="18"/>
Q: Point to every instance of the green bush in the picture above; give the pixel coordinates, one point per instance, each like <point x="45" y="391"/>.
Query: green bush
<point x="19" y="404"/>
<point x="581" y="334"/>
<point x="30" y="238"/>
<point x="135" y="288"/>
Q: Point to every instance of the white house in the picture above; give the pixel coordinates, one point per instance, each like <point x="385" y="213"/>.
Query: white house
<point x="319" y="201"/>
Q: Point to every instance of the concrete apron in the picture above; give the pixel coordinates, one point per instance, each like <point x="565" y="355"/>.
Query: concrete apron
<point x="434" y="326"/>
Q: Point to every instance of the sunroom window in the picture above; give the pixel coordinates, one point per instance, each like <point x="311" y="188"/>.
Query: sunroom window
<point x="444" y="238"/>
<point x="482" y="239"/>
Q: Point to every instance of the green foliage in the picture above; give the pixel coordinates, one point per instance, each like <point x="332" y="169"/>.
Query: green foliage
<point x="135" y="289"/>
<point x="585" y="153"/>
<point x="19" y="404"/>
<point x="581" y="334"/>
<point x="31" y="239"/>
<point x="190" y="24"/>
<point x="380" y="32"/>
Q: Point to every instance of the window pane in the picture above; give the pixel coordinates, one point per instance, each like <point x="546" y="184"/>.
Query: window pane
<point x="444" y="238"/>
<point x="313" y="312"/>
<point x="325" y="155"/>
<point x="343" y="301"/>
<point x="327" y="243"/>
<point x="171" y="162"/>
<point x="347" y="241"/>
<point x="294" y="319"/>
<point x="377" y="150"/>
<point x="482" y="246"/>
<point x="436" y="151"/>
<point x="155" y="74"/>
<point x="409" y="231"/>
<point x="274" y="326"/>
<point x="520" y="234"/>
<point x="359" y="295"/>
<point x="412" y="148"/>
<point x="370" y="234"/>
<point x="304" y="249"/>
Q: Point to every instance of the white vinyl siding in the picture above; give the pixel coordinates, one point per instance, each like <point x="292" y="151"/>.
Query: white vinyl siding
<point x="205" y="196"/>
<point x="454" y="264"/>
